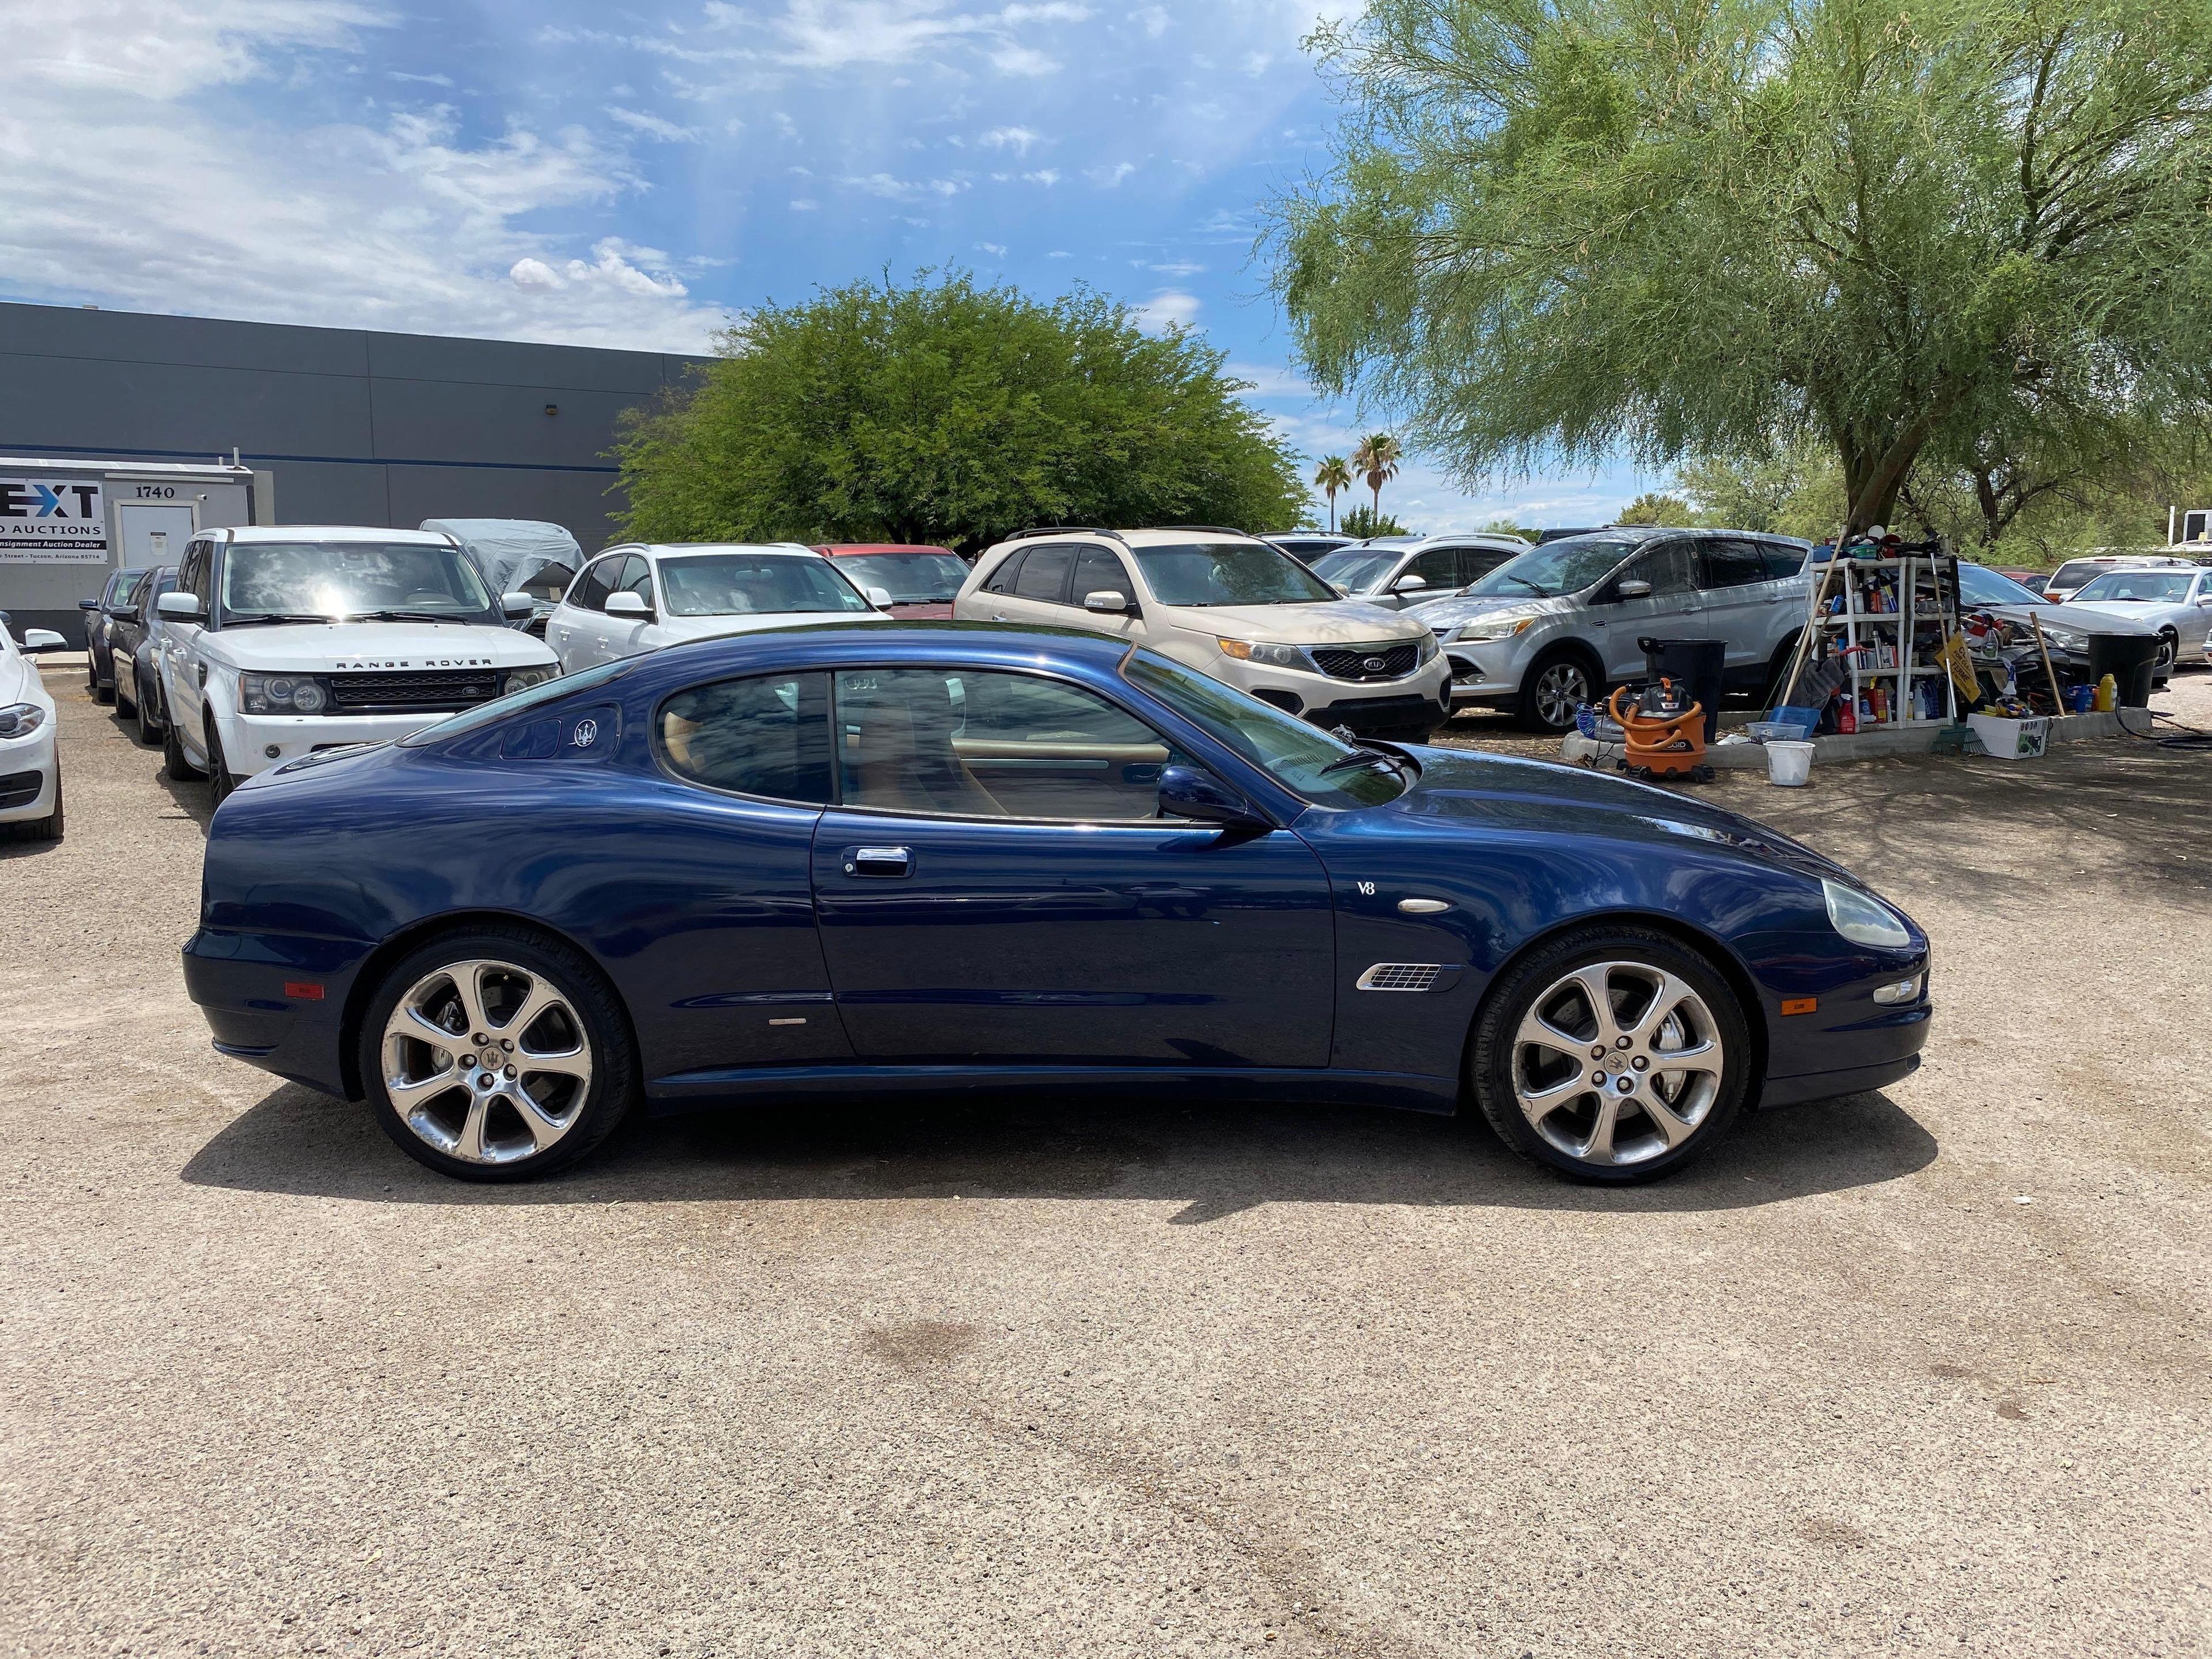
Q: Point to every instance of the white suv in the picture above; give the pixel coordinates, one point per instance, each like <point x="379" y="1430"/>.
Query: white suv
<point x="280" y="640"/>
<point x="1230" y="605"/>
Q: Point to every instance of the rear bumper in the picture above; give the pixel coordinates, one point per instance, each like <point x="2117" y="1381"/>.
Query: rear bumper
<point x="258" y="993"/>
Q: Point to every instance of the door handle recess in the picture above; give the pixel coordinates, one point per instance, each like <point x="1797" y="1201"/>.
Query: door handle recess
<point x="878" y="861"/>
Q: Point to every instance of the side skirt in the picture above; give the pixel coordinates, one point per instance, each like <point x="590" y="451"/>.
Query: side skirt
<point x="690" y="1091"/>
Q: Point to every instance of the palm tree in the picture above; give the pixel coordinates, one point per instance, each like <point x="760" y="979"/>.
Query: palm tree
<point x="1377" y="456"/>
<point x="1334" y="473"/>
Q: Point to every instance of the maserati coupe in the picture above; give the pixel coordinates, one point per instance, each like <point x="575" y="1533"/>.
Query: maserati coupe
<point x="748" y="871"/>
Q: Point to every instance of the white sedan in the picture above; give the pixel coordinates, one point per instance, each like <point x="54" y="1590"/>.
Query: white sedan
<point x="30" y="769"/>
<point x="639" y="598"/>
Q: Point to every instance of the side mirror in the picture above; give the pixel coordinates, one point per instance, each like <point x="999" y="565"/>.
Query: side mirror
<point x="87" y="604"/>
<point x="130" y="613"/>
<point x="1341" y="591"/>
<point x="1109" y="602"/>
<point x="1634" y="590"/>
<point x="516" y="607"/>
<point x="880" y="598"/>
<point x="1188" y="793"/>
<point x="627" y="604"/>
<point x="179" y="607"/>
<point x="1408" y="583"/>
<point x="43" y="639"/>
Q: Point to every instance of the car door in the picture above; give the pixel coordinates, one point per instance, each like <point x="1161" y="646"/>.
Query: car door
<point x="1034" y="588"/>
<point x="628" y="636"/>
<point x="1100" y="569"/>
<point x="181" y="684"/>
<point x="573" y="629"/>
<point x="1438" y="570"/>
<point x="1671" y="611"/>
<point x="1479" y="559"/>
<point x="1739" y="596"/>
<point x="994" y="886"/>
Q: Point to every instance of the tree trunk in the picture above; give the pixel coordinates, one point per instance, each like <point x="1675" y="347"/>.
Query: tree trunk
<point x="1993" y="515"/>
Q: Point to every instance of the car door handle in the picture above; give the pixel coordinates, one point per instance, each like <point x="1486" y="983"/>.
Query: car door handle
<point x="998" y="616"/>
<point x="878" y="861"/>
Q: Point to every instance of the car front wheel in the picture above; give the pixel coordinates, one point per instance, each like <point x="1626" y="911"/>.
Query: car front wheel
<point x="174" y="761"/>
<point x="1556" y="687"/>
<point x="1613" y="1055"/>
<point x="496" y="1056"/>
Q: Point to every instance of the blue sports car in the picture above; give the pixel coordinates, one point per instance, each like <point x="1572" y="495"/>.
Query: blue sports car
<point x="939" y="854"/>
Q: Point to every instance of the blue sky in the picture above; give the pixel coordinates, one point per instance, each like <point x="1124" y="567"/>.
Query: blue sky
<point x="637" y="175"/>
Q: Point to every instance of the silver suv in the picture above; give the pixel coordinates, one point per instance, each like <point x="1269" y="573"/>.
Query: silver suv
<point x="1552" y="628"/>
<point x="1401" y="570"/>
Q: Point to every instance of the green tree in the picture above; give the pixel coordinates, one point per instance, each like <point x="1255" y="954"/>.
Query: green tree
<point x="1332" y="477"/>
<point x="1376" y="460"/>
<point x="1794" y="491"/>
<point x="1556" y="230"/>
<point x="1654" y="508"/>
<point x="1364" y="522"/>
<point x="946" y="412"/>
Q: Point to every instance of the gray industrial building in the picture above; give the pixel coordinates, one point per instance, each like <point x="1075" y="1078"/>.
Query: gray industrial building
<point x="350" y="426"/>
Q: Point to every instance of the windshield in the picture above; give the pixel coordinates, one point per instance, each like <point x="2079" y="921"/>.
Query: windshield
<point x="1286" y="748"/>
<point x="339" y="580"/>
<point x="1229" y="573"/>
<point x="515" y="701"/>
<point x="909" y="578"/>
<point x="2144" y="587"/>
<point x="754" y="584"/>
<point x="1562" y="567"/>
<point x="1980" y="585"/>
<point x="1355" y="571"/>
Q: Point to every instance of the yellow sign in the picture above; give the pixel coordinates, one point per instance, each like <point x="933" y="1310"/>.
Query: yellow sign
<point x="1956" y="657"/>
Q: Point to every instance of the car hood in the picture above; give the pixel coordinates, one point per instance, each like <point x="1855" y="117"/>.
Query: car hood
<point x="2144" y="616"/>
<point x="714" y="628"/>
<point x="1341" y="621"/>
<point x="19" y="681"/>
<point x="328" y="648"/>
<point x="1522" y="795"/>
<point x="1442" y="616"/>
<point x="2082" y="618"/>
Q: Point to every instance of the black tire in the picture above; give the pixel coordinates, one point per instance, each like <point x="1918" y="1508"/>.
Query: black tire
<point x="174" y="761"/>
<point x="149" y="727"/>
<point x="1647" y="1154"/>
<point x="1557" y="680"/>
<point x="613" y="1089"/>
<point x="220" y="782"/>
<point x="48" y="828"/>
<point x="120" y="702"/>
<point x="2169" y="654"/>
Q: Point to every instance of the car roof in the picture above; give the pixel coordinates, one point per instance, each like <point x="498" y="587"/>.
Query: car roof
<point x="679" y="549"/>
<point x="240" y="534"/>
<point x="846" y="550"/>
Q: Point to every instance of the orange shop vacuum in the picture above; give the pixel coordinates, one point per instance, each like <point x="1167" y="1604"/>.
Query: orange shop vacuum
<point x="1663" y="733"/>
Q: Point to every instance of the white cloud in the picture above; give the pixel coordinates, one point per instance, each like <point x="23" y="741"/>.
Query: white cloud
<point x="995" y="250"/>
<point x="1178" y="268"/>
<point x="804" y="204"/>
<point x="1108" y="178"/>
<point x="1169" y="308"/>
<point x="1153" y="20"/>
<point x="1044" y="176"/>
<point x="653" y="126"/>
<point x="893" y="188"/>
<point x="167" y="48"/>
<point x="835" y="34"/>
<point x="421" y="80"/>
<point x="1017" y="139"/>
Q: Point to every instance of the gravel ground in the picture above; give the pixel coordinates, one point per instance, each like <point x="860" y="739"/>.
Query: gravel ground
<point x="1921" y="1371"/>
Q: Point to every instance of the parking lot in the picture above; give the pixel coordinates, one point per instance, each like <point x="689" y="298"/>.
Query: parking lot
<point x="1921" y="1370"/>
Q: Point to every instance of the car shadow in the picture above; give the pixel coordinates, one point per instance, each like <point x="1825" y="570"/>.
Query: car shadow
<point x="1214" y="1160"/>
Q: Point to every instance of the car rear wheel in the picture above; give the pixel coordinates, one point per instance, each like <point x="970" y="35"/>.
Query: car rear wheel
<point x="150" y="728"/>
<point x="2169" y="652"/>
<point x="1612" y="1056"/>
<point x="174" y="761"/>
<point x="497" y="1056"/>
<point x="1557" y="685"/>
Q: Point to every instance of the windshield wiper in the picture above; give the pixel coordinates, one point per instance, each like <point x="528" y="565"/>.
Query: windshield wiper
<point x="1541" y="593"/>
<point x="403" y="615"/>
<point x="268" y="617"/>
<point x="1364" y="756"/>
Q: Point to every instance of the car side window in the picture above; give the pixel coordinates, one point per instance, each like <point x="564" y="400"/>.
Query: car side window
<point x="1008" y="573"/>
<point x="1045" y="574"/>
<point x="768" y="735"/>
<point x="1783" y="560"/>
<point x="1438" y="568"/>
<point x="636" y="576"/>
<point x="590" y="593"/>
<point x="1667" y="566"/>
<point x="198" y="579"/>
<point x="1476" y="562"/>
<point x="1098" y="568"/>
<point x="1729" y="563"/>
<point x="993" y="744"/>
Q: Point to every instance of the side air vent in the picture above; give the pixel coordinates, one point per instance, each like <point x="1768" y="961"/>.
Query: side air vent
<point x="1408" y="976"/>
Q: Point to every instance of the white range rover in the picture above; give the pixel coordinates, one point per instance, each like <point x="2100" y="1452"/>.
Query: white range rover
<point x="282" y="640"/>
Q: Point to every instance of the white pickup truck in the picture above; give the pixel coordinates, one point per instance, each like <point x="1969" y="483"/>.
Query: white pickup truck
<point x="282" y="640"/>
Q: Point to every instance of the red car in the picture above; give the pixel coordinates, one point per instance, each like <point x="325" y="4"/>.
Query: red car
<point x="921" y="580"/>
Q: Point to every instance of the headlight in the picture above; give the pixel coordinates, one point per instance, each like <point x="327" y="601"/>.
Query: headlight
<point x="1272" y="656"/>
<point x="20" y="720"/>
<point x="2066" y="639"/>
<point x="1864" y="921"/>
<point x="1428" y="649"/>
<point x="521" y="679"/>
<point x="282" y="694"/>
<point x="1484" y="630"/>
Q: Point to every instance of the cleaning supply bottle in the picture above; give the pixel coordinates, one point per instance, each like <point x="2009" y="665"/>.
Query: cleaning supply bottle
<point x="2108" y="695"/>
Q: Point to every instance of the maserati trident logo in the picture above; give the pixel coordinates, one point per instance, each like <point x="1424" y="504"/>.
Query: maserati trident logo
<point x="587" y="733"/>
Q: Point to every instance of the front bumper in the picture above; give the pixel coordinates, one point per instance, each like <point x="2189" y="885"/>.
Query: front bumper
<point x="1489" y="672"/>
<point x="1363" y="705"/>
<point x="248" y="740"/>
<point x="27" y="764"/>
<point x="1849" y="1044"/>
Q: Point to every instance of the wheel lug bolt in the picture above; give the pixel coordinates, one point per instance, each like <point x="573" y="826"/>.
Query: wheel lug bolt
<point x="1598" y="1053"/>
<point x="480" y="1039"/>
<point x="1639" y="1062"/>
<point x="506" y="1044"/>
<point x="1598" y="1078"/>
<point x="510" y="1071"/>
<point x="1626" y="1085"/>
<point x="1623" y="1042"/>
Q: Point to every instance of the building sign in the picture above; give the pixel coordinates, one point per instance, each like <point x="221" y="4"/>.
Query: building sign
<point x="52" y="521"/>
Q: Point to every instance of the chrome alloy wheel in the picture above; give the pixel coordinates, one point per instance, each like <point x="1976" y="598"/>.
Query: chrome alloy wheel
<point x="486" y="1062"/>
<point x="1560" y="689"/>
<point x="1616" y="1063"/>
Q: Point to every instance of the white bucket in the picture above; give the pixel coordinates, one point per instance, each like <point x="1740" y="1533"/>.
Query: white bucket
<point x="1788" y="764"/>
